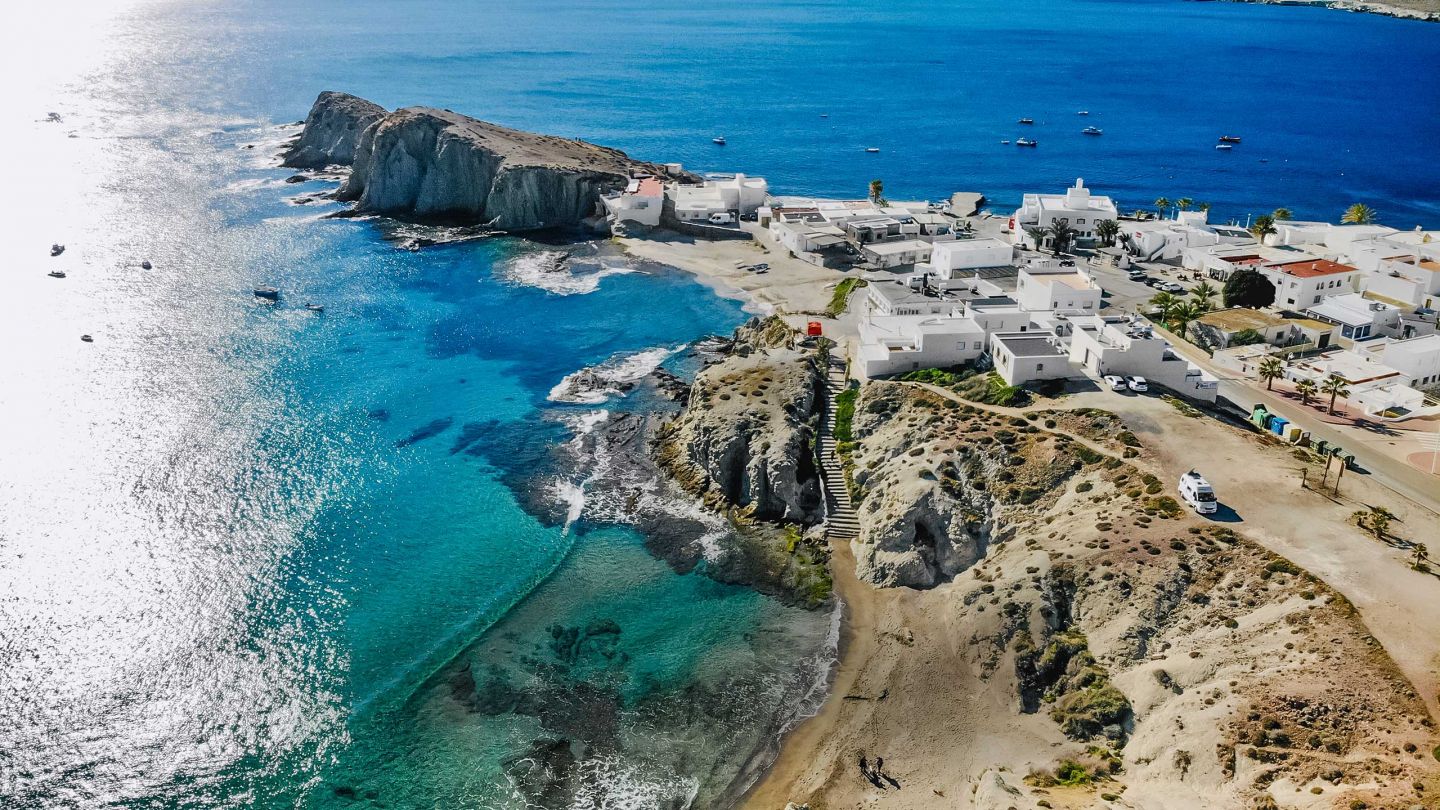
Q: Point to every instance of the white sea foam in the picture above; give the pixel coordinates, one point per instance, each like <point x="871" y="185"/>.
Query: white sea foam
<point x="572" y="493"/>
<point x="608" y="783"/>
<point x="596" y="384"/>
<point x="549" y="270"/>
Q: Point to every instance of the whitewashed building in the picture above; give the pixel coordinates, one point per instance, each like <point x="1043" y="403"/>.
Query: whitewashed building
<point x="1301" y="284"/>
<point x="1049" y="286"/>
<point x="1358" y="317"/>
<point x="719" y="194"/>
<point x="641" y="201"/>
<point x="1077" y="206"/>
<point x="950" y="260"/>
<point x="1416" y="360"/>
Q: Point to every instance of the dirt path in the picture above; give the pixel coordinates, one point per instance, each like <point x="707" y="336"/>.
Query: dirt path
<point x="1260" y="492"/>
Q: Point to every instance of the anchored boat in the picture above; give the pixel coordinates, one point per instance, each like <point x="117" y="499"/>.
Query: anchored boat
<point x="1093" y="131"/>
<point x="1026" y="142"/>
<point x="267" y="293"/>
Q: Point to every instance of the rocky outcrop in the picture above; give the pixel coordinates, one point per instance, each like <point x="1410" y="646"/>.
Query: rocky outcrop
<point x="937" y="482"/>
<point x="332" y="131"/>
<point x="431" y="165"/>
<point x="747" y="436"/>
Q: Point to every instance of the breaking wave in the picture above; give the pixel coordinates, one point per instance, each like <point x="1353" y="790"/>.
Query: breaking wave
<point x="552" y="271"/>
<point x="595" y="384"/>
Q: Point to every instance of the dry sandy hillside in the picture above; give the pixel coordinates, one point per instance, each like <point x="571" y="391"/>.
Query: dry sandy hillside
<point x="1106" y="648"/>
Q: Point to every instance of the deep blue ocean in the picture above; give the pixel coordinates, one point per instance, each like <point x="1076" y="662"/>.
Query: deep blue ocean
<point x="252" y="555"/>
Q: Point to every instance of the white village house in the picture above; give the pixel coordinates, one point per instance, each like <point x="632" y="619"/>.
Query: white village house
<point x="1077" y="206"/>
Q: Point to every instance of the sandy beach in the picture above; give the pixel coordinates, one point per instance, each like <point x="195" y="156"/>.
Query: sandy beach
<point x="789" y="287"/>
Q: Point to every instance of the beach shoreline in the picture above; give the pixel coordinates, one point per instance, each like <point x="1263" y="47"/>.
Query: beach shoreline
<point x="1422" y="10"/>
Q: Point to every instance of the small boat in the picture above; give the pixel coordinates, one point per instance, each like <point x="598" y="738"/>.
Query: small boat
<point x="1093" y="131"/>
<point x="872" y="149"/>
<point x="1026" y="142"/>
<point x="314" y="307"/>
<point x="1224" y="147"/>
<point x="1027" y="120"/>
<point x="56" y="274"/>
<point x="1005" y="142"/>
<point x="1229" y="139"/>
<point x="145" y="265"/>
<point x="1083" y="112"/>
<point x="719" y="141"/>
<point x="268" y="293"/>
<point x="87" y="338"/>
<point x="824" y="115"/>
<point x="56" y="249"/>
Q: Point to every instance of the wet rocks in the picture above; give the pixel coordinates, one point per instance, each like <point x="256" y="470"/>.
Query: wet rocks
<point x="747" y="437"/>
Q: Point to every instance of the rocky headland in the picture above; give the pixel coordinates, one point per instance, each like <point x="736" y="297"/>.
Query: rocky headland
<point x="423" y="164"/>
<point x="331" y="131"/>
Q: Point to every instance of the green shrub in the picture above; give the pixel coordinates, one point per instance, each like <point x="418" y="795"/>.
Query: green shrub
<point x="845" y="415"/>
<point x="1084" y="486"/>
<point x="841" y="297"/>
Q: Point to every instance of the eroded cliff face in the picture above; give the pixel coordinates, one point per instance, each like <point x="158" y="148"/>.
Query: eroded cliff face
<point x="746" y="438"/>
<point x="425" y="164"/>
<point x="332" y="131"/>
<point x="935" y="488"/>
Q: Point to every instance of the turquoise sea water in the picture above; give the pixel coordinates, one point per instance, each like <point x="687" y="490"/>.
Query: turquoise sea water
<point x="252" y="556"/>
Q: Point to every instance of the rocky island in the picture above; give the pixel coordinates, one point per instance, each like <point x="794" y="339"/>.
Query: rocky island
<point x="422" y="164"/>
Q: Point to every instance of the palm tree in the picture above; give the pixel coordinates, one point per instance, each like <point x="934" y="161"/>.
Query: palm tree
<point x="1306" y="389"/>
<point x="1107" y="230"/>
<point x="1182" y="315"/>
<point x="1166" y="303"/>
<point x="1359" y="214"/>
<point x="877" y="189"/>
<point x="1262" y="226"/>
<point x="1184" y="203"/>
<point x="1335" y="387"/>
<point x="1203" y="292"/>
<point x="1037" y="235"/>
<point x="1061" y="235"/>
<point x="1161" y="205"/>
<point x="1271" y="369"/>
<point x="1203" y="206"/>
<point x="1421" y="552"/>
<point x="1376" y="520"/>
<point x="1282" y="214"/>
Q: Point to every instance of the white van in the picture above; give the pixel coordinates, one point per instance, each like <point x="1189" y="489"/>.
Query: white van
<point x="1197" y="492"/>
<point x="725" y="218"/>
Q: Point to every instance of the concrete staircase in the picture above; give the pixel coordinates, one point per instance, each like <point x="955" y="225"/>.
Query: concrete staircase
<point x="840" y="521"/>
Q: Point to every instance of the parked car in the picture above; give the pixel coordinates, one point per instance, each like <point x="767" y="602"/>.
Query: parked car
<point x="1137" y="384"/>
<point x="1115" y="381"/>
<point x="1172" y="287"/>
<point x="750" y="217"/>
<point x="722" y="219"/>
<point x="1138" y="275"/>
<point x="1157" y="283"/>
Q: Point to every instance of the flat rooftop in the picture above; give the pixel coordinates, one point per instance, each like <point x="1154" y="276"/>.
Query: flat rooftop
<point x="1028" y="345"/>
<point x="900" y="246"/>
<point x="1238" y="318"/>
